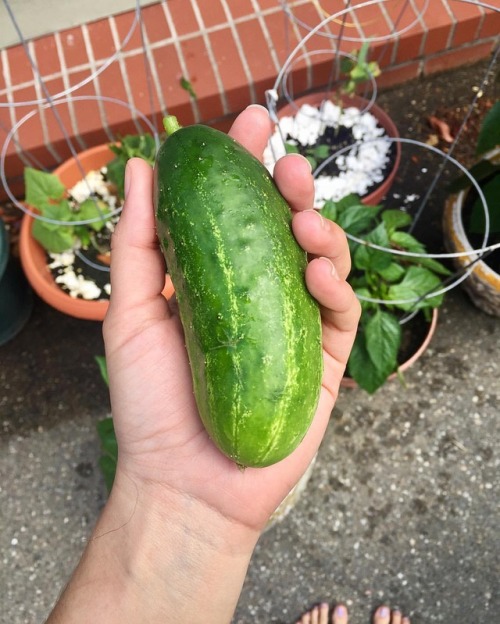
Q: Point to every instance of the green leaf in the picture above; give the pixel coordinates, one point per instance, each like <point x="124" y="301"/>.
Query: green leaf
<point x="407" y="242"/>
<point x="383" y="339"/>
<point x="57" y="212"/>
<point x="109" y="448"/>
<point x="187" y="86"/>
<point x="103" y="368"/>
<point x="369" y="259"/>
<point x="357" y="219"/>
<point x="320" y="152"/>
<point x="417" y="282"/>
<point x="116" y="175"/>
<point x="429" y="263"/>
<point x="489" y="135"/>
<point x="392" y="273"/>
<point x="291" y="148"/>
<point x="361" y="368"/>
<point x="329" y="210"/>
<point x="41" y="187"/>
<point x="92" y="209"/>
<point x="53" y="240"/>
<point x="108" y="468"/>
<point x="395" y="219"/>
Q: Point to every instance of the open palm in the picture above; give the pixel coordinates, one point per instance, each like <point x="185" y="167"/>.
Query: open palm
<point x="160" y="436"/>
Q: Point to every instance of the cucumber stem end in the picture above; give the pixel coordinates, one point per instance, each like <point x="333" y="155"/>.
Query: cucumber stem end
<point x="171" y="124"/>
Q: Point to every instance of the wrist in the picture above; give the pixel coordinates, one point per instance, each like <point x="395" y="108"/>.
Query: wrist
<point x="157" y="555"/>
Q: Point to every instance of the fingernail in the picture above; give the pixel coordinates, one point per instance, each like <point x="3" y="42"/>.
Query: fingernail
<point x="321" y="218"/>
<point x="258" y="106"/>
<point x="128" y="180"/>
<point x="333" y="270"/>
<point x="303" y="158"/>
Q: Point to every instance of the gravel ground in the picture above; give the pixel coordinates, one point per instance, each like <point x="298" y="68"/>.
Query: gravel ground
<point x="403" y="502"/>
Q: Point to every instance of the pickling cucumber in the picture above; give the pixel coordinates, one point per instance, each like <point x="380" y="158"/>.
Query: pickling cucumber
<point x="252" y="329"/>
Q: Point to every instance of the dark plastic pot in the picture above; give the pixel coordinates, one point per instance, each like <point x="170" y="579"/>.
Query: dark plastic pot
<point x="16" y="296"/>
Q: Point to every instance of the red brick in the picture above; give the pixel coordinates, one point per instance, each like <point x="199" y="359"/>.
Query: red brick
<point x="468" y="18"/>
<point x="140" y="90"/>
<point x="399" y="74"/>
<point x="170" y="73"/>
<point x="439" y="24"/>
<point x="155" y="23"/>
<point x="47" y="57"/>
<point x="19" y="66"/>
<point x="284" y="40"/>
<point x="455" y="58"/>
<point x="239" y="9"/>
<point x="230" y="69"/>
<point x="101" y="40"/>
<point x="111" y="82"/>
<point x="202" y="78"/>
<point x="73" y="45"/>
<point x="406" y="22"/>
<point x="252" y="39"/>
<point x="183" y="16"/>
<point x="372" y="21"/>
<point x="212" y="13"/>
<point x="126" y="25"/>
<point x="490" y="26"/>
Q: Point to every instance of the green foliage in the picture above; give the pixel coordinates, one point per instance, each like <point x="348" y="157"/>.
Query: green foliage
<point x="383" y="279"/>
<point x="130" y="146"/>
<point x="187" y="86"/>
<point x="107" y="436"/>
<point x="358" y="69"/>
<point x="45" y="192"/>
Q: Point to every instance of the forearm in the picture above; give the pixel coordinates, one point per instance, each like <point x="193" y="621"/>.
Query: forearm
<point x="157" y="557"/>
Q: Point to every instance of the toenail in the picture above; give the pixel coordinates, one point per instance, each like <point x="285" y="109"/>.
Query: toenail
<point x="340" y="611"/>
<point x="384" y="612"/>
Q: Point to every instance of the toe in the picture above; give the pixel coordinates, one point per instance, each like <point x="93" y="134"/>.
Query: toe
<point x="405" y="620"/>
<point x="340" y="615"/>
<point x="382" y="615"/>
<point x="396" y="617"/>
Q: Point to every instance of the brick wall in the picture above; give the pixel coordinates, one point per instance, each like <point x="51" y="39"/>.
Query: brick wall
<point x="230" y="52"/>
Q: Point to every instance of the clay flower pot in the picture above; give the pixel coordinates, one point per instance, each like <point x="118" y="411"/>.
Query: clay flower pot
<point x="384" y="120"/>
<point x="33" y="256"/>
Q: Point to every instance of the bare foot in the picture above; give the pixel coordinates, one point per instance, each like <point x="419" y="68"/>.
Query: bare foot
<point x="320" y="615"/>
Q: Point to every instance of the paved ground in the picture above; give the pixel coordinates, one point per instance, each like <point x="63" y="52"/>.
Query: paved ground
<point x="402" y="506"/>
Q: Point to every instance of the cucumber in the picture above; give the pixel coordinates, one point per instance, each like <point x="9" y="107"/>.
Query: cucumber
<point x="252" y="330"/>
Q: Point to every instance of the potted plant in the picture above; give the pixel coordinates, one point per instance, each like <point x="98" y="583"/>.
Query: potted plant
<point x="65" y="241"/>
<point x="346" y="138"/>
<point x="472" y="224"/>
<point x="398" y="285"/>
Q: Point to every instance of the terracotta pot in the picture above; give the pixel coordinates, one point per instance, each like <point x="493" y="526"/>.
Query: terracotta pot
<point x="33" y="256"/>
<point x="348" y="382"/>
<point x="315" y="99"/>
<point x="483" y="283"/>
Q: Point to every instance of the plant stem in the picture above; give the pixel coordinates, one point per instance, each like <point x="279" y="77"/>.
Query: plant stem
<point x="171" y="124"/>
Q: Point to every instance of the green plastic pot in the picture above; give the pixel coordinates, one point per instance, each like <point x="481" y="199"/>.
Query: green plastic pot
<point x="16" y="296"/>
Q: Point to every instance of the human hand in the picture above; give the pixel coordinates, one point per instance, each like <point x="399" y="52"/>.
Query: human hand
<point x="162" y="442"/>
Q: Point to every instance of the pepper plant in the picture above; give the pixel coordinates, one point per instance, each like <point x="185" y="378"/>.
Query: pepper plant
<point x="390" y="285"/>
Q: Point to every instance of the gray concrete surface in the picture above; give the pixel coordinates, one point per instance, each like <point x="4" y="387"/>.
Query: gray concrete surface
<point x="403" y="503"/>
<point x="39" y="17"/>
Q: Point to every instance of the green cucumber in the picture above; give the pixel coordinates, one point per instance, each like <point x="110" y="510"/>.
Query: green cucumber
<point x="252" y="330"/>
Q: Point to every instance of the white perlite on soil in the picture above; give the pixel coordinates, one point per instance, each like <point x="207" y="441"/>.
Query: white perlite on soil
<point x="360" y="169"/>
<point x="70" y="278"/>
